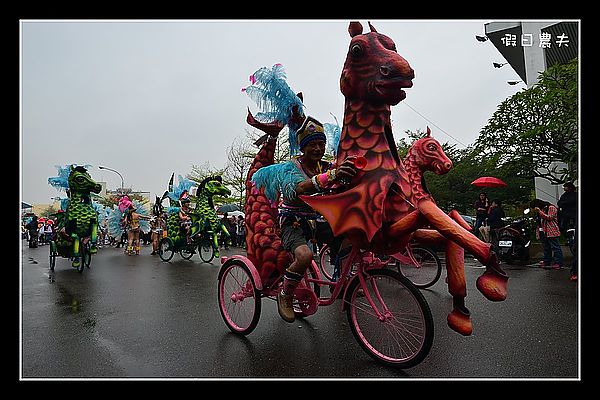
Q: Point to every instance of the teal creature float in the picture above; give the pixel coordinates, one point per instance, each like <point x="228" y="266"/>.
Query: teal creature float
<point x="80" y="218"/>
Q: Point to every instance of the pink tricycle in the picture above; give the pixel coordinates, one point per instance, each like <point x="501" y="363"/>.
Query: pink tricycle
<point x="388" y="315"/>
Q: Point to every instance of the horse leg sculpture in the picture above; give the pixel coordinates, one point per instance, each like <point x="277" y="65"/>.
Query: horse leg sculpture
<point x="494" y="281"/>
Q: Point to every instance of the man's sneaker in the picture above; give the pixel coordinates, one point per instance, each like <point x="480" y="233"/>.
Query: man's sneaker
<point x="573" y="278"/>
<point x="285" y="308"/>
<point x="555" y="266"/>
<point x="542" y="264"/>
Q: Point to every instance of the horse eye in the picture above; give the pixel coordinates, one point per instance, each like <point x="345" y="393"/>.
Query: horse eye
<point x="356" y="50"/>
<point x="431" y="147"/>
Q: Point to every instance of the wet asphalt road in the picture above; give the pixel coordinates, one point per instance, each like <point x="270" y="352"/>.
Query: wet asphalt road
<point x="138" y="317"/>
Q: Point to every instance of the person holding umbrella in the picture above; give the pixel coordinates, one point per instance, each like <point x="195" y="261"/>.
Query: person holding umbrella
<point x="482" y="206"/>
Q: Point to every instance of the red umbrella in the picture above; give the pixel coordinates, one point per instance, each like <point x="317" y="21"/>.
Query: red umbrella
<point x="488" y="181"/>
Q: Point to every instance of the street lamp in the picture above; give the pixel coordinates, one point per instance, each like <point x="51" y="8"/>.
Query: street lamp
<point x="513" y="82"/>
<point x="118" y="173"/>
<point x="481" y="38"/>
<point x="498" y="65"/>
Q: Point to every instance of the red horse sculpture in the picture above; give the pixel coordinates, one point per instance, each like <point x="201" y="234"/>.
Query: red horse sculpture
<point x="385" y="206"/>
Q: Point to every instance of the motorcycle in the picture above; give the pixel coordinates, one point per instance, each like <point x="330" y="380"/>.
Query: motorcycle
<point x="513" y="240"/>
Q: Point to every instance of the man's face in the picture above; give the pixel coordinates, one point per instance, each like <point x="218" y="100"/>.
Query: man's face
<point x="315" y="149"/>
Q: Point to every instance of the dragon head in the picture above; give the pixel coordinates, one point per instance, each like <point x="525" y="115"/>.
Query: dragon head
<point x="213" y="186"/>
<point x="373" y="70"/>
<point x="80" y="181"/>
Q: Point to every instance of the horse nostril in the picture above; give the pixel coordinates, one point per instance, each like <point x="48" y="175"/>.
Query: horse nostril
<point x="448" y="165"/>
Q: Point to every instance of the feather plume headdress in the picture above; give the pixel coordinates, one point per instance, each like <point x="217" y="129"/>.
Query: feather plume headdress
<point x="333" y="133"/>
<point x="276" y="100"/>
<point x="115" y="219"/>
<point x="183" y="185"/>
<point x="61" y="182"/>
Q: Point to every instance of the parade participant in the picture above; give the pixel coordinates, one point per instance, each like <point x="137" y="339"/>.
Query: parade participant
<point x="123" y="220"/>
<point x="157" y="224"/>
<point x="185" y="221"/>
<point x="133" y="233"/>
<point x="304" y="174"/>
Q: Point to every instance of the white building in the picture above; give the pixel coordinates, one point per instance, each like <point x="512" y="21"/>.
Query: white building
<point x="530" y="47"/>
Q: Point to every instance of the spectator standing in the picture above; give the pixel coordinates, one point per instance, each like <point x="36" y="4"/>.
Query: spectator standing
<point x="48" y="231"/>
<point x="548" y="232"/>
<point x="567" y="205"/>
<point x="233" y="232"/>
<point x="42" y="232"/>
<point x="225" y="240"/>
<point x="241" y="232"/>
<point x="481" y="206"/>
<point x="32" y="228"/>
<point x="495" y="221"/>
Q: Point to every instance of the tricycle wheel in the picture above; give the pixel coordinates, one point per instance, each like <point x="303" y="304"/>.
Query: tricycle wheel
<point x="166" y="249"/>
<point x="239" y="299"/>
<point x="206" y="250"/>
<point x="86" y="258"/>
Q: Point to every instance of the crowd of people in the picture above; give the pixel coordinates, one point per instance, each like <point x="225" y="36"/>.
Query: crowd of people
<point x="550" y="223"/>
<point x="38" y="231"/>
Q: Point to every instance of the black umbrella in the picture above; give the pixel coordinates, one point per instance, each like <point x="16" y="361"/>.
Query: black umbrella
<point x="228" y="208"/>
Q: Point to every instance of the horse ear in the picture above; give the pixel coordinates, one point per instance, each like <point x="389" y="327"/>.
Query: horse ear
<point x="355" y="28"/>
<point x="372" y="28"/>
<point x="428" y="134"/>
<point x="300" y="96"/>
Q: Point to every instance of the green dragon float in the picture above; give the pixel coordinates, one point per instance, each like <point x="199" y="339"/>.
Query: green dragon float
<point x="79" y="219"/>
<point x="204" y="219"/>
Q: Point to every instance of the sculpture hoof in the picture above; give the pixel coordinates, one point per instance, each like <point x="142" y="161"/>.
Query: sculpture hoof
<point x="460" y="322"/>
<point x="493" y="285"/>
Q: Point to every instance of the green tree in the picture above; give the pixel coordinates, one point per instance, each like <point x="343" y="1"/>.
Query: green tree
<point x="537" y="127"/>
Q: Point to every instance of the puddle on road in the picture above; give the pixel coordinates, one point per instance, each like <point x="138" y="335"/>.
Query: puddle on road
<point x="68" y="301"/>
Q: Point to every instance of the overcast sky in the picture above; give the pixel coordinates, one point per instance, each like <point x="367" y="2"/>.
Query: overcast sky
<point x="151" y="98"/>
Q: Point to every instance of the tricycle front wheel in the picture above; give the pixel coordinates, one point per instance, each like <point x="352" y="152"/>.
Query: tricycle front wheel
<point x="395" y="326"/>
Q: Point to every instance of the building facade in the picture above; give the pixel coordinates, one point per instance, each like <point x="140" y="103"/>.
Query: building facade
<point x="530" y="47"/>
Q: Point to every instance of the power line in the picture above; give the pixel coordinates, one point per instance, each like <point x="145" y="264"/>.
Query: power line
<point x="434" y="124"/>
